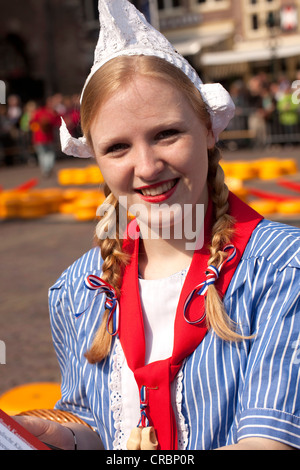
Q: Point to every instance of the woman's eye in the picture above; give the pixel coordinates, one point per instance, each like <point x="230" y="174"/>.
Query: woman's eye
<point x="116" y="148"/>
<point x="167" y="134"/>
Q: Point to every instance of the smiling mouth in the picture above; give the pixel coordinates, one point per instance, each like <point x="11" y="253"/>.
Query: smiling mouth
<point x="157" y="189"/>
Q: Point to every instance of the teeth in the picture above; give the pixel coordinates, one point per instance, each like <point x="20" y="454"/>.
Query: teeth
<point x="159" y="189"/>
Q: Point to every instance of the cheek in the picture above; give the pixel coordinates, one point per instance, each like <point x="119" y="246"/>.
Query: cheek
<point x="194" y="159"/>
<point x="115" y="175"/>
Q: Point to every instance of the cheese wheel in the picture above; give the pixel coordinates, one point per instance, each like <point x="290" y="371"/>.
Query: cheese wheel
<point x="32" y="206"/>
<point x="289" y="207"/>
<point x="264" y="206"/>
<point x="9" y="204"/>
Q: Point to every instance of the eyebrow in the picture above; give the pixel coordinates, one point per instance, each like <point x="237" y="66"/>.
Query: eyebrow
<point x="102" y="146"/>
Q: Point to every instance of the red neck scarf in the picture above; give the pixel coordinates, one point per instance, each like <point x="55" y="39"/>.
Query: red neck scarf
<point x="155" y="378"/>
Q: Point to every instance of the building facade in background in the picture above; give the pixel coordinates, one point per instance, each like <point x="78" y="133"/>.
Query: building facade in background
<point x="227" y="39"/>
<point x="46" y="46"/>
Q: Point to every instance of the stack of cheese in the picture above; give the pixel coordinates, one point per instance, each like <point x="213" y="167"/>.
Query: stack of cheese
<point x="82" y="205"/>
<point x="37" y="203"/>
<point x="239" y="172"/>
<point x="264" y="168"/>
<point x="89" y="175"/>
<point x="288" y="207"/>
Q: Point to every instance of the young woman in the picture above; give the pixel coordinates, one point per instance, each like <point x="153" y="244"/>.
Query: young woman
<point x="162" y="346"/>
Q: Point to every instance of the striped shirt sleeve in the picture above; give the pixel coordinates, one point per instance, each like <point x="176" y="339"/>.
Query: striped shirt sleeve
<point x="269" y="406"/>
<point x="69" y="353"/>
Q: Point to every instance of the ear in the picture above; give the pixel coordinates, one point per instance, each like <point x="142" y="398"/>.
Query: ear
<point x="211" y="141"/>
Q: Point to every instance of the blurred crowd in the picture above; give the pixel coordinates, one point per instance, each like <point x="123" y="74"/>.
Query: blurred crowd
<point x="268" y="110"/>
<point x="29" y="132"/>
<point x="266" y="113"/>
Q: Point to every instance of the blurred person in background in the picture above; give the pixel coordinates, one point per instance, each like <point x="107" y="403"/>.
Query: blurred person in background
<point x="256" y="121"/>
<point x="5" y="138"/>
<point x="26" y="133"/>
<point x="71" y="114"/>
<point x="9" y="132"/>
<point x="44" y="124"/>
<point x="14" y="109"/>
<point x="288" y="111"/>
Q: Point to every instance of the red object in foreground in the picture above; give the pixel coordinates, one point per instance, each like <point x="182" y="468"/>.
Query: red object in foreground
<point x="293" y="185"/>
<point x="270" y="195"/>
<point x="27" y="185"/>
<point x="14" y="437"/>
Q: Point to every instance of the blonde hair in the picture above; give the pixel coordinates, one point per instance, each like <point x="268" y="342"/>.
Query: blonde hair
<point x="107" y="80"/>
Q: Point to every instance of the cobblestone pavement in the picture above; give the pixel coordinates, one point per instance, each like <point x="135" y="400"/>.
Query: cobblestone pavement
<point x="33" y="254"/>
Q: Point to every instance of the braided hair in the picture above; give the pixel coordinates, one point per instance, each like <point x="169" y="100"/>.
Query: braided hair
<point x="106" y="80"/>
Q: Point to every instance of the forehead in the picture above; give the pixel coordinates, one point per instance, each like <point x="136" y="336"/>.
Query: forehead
<point x="144" y="97"/>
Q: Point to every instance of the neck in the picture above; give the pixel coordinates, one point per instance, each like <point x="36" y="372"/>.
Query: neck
<point x="160" y="256"/>
<point x="160" y="259"/>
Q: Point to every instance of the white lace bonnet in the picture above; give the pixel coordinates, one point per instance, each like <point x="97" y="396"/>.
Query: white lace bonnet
<point x="125" y="31"/>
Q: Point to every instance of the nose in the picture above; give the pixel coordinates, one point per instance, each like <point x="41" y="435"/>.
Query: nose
<point x="148" y="165"/>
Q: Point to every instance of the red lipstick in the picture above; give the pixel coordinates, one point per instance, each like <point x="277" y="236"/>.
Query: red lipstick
<point x="156" y="199"/>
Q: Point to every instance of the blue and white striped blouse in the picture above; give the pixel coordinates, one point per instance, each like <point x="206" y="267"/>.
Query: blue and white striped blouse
<point x="229" y="391"/>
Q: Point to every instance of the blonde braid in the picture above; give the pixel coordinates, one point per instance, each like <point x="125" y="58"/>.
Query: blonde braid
<point x="222" y="233"/>
<point x="114" y="261"/>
